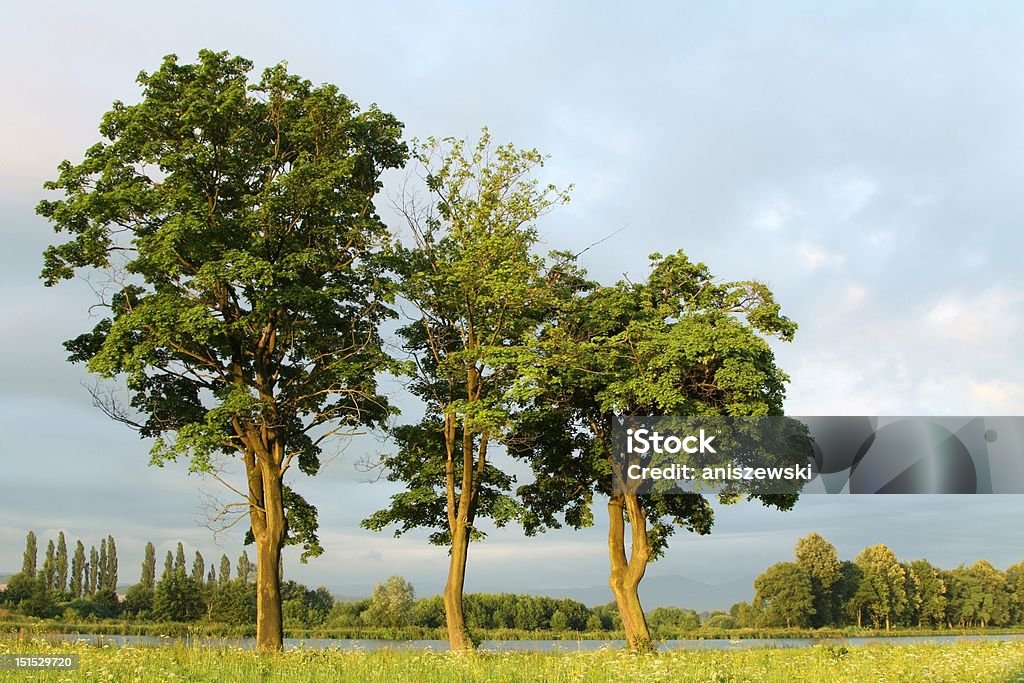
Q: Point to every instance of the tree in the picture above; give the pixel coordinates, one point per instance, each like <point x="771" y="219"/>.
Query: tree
<point x="138" y="600"/>
<point x="61" y="574"/>
<point x="168" y="565"/>
<point x="993" y="607"/>
<point x="1015" y="592"/>
<point x="148" y="578"/>
<point x="50" y="568"/>
<point x="883" y="584"/>
<point x="478" y="292"/>
<point x="198" y="569"/>
<point x="94" y="568"/>
<point x="234" y="223"/>
<point x="679" y="343"/>
<point x="78" y="565"/>
<point x="931" y="594"/>
<point x="244" y="568"/>
<point x="102" y="580"/>
<point x="28" y="562"/>
<point x="818" y="558"/>
<point x="179" y="558"/>
<point x="390" y="604"/>
<point x="225" y="569"/>
<point x="784" y="595"/>
<point x="111" y="565"/>
<point x="177" y="598"/>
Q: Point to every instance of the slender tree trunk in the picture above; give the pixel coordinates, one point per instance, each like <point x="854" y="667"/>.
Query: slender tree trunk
<point x="458" y="635"/>
<point x="626" y="574"/>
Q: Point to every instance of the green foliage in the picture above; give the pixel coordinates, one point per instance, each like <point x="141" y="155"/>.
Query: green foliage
<point x="478" y="291"/>
<point x="819" y="559"/>
<point x="784" y="595"/>
<point x="177" y="598"/>
<point x="138" y="600"/>
<point x="390" y="604"/>
<point x="232" y="229"/>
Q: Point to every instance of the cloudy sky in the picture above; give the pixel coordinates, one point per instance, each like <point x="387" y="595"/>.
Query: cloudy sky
<point x="865" y="160"/>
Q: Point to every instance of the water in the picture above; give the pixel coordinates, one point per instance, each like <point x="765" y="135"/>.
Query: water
<point x="531" y="645"/>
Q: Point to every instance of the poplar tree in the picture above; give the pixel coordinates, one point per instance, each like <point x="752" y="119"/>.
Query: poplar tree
<point x="78" y="567"/>
<point x="225" y="570"/>
<point x="111" y="565"/>
<point x="94" y="568"/>
<point x="61" y="576"/>
<point x="148" y="578"/>
<point x="198" y="569"/>
<point x="50" y="567"/>
<point x="28" y="562"/>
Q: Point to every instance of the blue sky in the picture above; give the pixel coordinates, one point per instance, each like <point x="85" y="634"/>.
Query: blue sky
<point x="864" y="159"/>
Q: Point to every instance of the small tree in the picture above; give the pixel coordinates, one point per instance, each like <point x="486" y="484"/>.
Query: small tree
<point x="391" y="604"/>
<point x="784" y="595"/>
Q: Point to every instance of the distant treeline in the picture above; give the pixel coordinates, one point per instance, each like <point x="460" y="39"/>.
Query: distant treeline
<point x="816" y="591"/>
<point x="819" y="590"/>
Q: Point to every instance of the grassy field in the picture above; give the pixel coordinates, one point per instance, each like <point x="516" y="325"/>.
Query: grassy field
<point x="986" y="662"/>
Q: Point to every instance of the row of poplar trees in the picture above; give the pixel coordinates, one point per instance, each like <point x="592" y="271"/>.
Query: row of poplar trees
<point x="77" y="576"/>
<point x="246" y="276"/>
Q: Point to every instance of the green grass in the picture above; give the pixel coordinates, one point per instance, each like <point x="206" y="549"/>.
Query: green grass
<point x="995" y="662"/>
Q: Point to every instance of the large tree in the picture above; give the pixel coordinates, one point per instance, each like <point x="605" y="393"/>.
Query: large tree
<point x="78" y="567"/>
<point x="29" y="559"/>
<point x="475" y="291"/>
<point x="678" y="343"/>
<point x="232" y="230"/>
<point x="61" y="575"/>
<point x="882" y="592"/>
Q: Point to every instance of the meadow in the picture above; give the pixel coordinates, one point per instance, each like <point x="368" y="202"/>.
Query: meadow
<point x="996" y="662"/>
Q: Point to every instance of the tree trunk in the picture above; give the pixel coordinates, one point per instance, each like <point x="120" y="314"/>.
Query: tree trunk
<point x="458" y="635"/>
<point x="626" y="574"/>
<point x="268" y="526"/>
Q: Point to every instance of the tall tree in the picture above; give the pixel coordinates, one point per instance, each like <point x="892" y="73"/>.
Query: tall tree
<point x="478" y="292"/>
<point x="244" y="568"/>
<point x="111" y="565"/>
<point x="931" y="594"/>
<point x="148" y="578"/>
<point x="94" y="568"/>
<point x="102" y="580"/>
<point x="28" y="562"/>
<point x="679" y="343"/>
<point x="819" y="559"/>
<point x="234" y="222"/>
<point x="168" y="565"/>
<point x="179" y="558"/>
<point x="198" y="569"/>
<point x="61" y="575"/>
<point x="993" y="604"/>
<point x="78" y="565"/>
<point x="50" y="567"/>
<point x="225" y="569"/>
<point x="884" y="582"/>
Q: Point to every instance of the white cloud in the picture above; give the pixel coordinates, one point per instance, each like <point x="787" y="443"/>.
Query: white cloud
<point x="855" y="295"/>
<point x="997" y="397"/>
<point x="991" y="314"/>
<point x="815" y="257"/>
